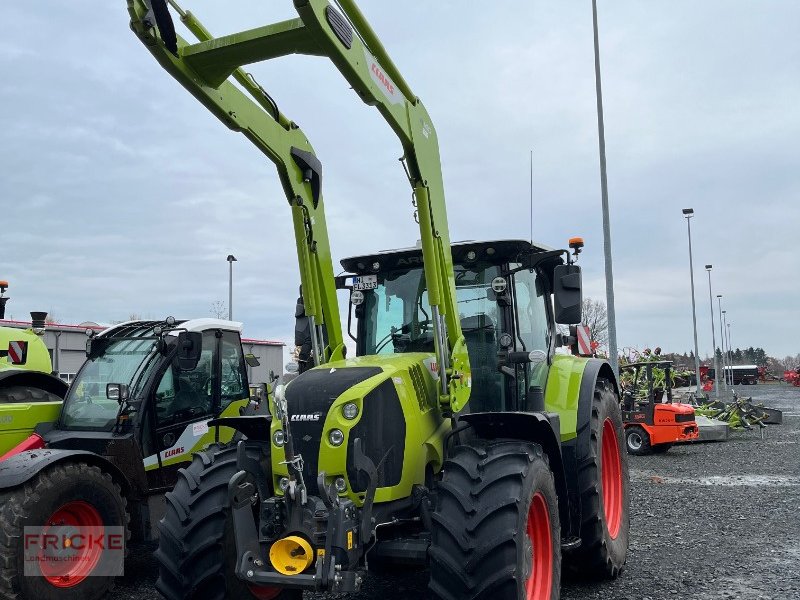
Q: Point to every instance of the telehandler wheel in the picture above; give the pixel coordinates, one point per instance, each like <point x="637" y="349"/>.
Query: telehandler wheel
<point x="496" y="530"/>
<point x="638" y="441"/>
<point x="604" y="488"/>
<point x="70" y="495"/>
<point x="661" y="448"/>
<point x="19" y="393"/>
<point x="196" y="553"/>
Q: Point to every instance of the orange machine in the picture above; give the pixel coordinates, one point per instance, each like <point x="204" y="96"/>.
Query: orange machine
<point x="653" y="422"/>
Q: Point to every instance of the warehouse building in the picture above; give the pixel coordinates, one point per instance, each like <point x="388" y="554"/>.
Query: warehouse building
<point x="67" y="346"/>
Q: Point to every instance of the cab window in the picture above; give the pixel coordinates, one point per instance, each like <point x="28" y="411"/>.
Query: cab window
<point x="186" y="395"/>
<point x="234" y="374"/>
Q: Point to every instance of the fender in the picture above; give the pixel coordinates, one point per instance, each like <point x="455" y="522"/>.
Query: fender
<point x="23" y="467"/>
<point x="43" y="381"/>
<point x="537" y="427"/>
<point x="595" y="368"/>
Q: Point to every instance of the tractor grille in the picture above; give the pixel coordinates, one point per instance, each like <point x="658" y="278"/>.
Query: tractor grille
<point x="382" y="429"/>
<point x="313" y="393"/>
<point x="681" y="418"/>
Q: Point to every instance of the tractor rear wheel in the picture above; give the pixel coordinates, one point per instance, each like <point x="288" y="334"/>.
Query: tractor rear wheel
<point x="18" y="394"/>
<point x="604" y="489"/>
<point x="76" y="496"/>
<point x="496" y="530"/>
<point x="196" y="551"/>
<point x="638" y="441"/>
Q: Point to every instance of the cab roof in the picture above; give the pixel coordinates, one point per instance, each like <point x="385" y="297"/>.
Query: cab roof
<point x="495" y="251"/>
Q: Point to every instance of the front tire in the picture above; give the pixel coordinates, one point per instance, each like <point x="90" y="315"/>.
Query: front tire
<point x="637" y="441"/>
<point x="496" y="530"/>
<point x="603" y="483"/>
<point x="74" y="495"/>
<point x="196" y="550"/>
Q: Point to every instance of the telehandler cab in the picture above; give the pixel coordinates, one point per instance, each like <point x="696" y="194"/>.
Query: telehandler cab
<point x="456" y="437"/>
<point x="137" y="409"/>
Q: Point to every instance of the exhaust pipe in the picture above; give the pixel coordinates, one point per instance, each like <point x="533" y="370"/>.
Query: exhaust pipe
<point x="38" y="319"/>
<point x="3" y="299"/>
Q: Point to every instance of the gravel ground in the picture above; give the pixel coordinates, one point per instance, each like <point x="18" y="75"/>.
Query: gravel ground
<point x="712" y="522"/>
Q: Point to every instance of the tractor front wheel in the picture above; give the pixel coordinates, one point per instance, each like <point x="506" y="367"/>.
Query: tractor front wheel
<point x="604" y="489"/>
<point x="637" y="441"/>
<point x="72" y="501"/>
<point x="196" y="549"/>
<point x="496" y="530"/>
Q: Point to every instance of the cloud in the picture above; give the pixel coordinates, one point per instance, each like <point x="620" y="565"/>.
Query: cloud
<point x="120" y="193"/>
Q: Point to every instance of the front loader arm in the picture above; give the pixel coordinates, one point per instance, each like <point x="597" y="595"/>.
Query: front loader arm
<point x="204" y="68"/>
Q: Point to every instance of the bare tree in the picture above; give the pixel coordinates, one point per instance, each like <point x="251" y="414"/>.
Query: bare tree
<point x="595" y="316"/>
<point x="134" y="317"/>
<point x="219" y="309"/>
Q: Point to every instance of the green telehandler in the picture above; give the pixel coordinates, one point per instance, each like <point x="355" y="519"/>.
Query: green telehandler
<point x="456" y="438"/>
<point x="29" y="392"/>
<point x="137" y="409"/>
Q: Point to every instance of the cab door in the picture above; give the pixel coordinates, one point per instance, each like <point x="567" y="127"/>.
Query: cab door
<point x="532" y="322"/>
<point x="184" y="401"/>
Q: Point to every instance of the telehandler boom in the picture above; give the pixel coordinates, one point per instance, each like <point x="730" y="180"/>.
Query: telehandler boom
<point x="486" y="460"/>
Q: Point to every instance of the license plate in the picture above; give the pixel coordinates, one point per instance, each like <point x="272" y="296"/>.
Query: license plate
<point x="365" y="282"/>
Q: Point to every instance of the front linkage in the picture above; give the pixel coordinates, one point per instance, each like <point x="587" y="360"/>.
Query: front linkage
<point x="337" y="529"/>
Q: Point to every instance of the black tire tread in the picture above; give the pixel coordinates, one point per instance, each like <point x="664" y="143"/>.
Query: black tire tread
<point x="15" y="509"/>
<point x="646" y="447"/>
<point x="16" y="394"/>
<point x="477" y="516"/>
<point x="190" y="553"/>
<point x="595" y="559"/>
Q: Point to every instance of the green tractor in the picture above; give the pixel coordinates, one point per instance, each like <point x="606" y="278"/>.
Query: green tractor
<point x="29" y="392"/>
<point x="138" y="408"/>
<point x="456" y="437"/>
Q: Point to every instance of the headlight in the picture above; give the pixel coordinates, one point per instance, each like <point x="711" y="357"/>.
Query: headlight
<point x="278" y="438"/>
<point x="336" y="437"/>
<point x="350" y="410"/>
<point x="283" y="483"/>
<point x="340" y="484"/>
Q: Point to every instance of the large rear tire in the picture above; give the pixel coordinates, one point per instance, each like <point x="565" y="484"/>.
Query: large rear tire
<point x="71" y="494"/>
<point x="18" y="393"/>
<point x="196" y="551"/>
<point x="604" y="490"/>
<point x="496" y="530"/>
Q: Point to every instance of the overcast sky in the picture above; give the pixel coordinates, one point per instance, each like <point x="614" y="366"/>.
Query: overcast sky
<point x="121" y="194"/>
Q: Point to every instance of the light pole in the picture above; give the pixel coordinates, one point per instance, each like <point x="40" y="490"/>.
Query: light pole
<point x="722" y="345"/>
<point x="730" y="348"/>
<point x="689" y="213"/>
<point x="231" y="259"/>
<point x="726" y="351"/>
<point x="713" y="334"/>
<point x="601" y="135"/>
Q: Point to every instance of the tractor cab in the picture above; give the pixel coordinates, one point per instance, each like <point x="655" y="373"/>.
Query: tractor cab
<point x="503" y="291"/>
<point x="653" y="422"/>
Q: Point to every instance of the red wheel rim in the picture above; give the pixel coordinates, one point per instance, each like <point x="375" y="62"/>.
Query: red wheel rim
<point x="76" y="515"/>
<point x="263" y="592"/>
<point x="540" y="582"/>
<point x="611" y="473"/>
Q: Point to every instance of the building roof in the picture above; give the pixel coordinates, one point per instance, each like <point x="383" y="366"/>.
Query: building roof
<point x="95" y="327"/>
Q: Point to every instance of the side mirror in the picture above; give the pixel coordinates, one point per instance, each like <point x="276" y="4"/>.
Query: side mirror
<point x="251" y="360"/>
<point x="117" y="391"/>
<point x="567" y="294"/>
<point x="190" y="347"/>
